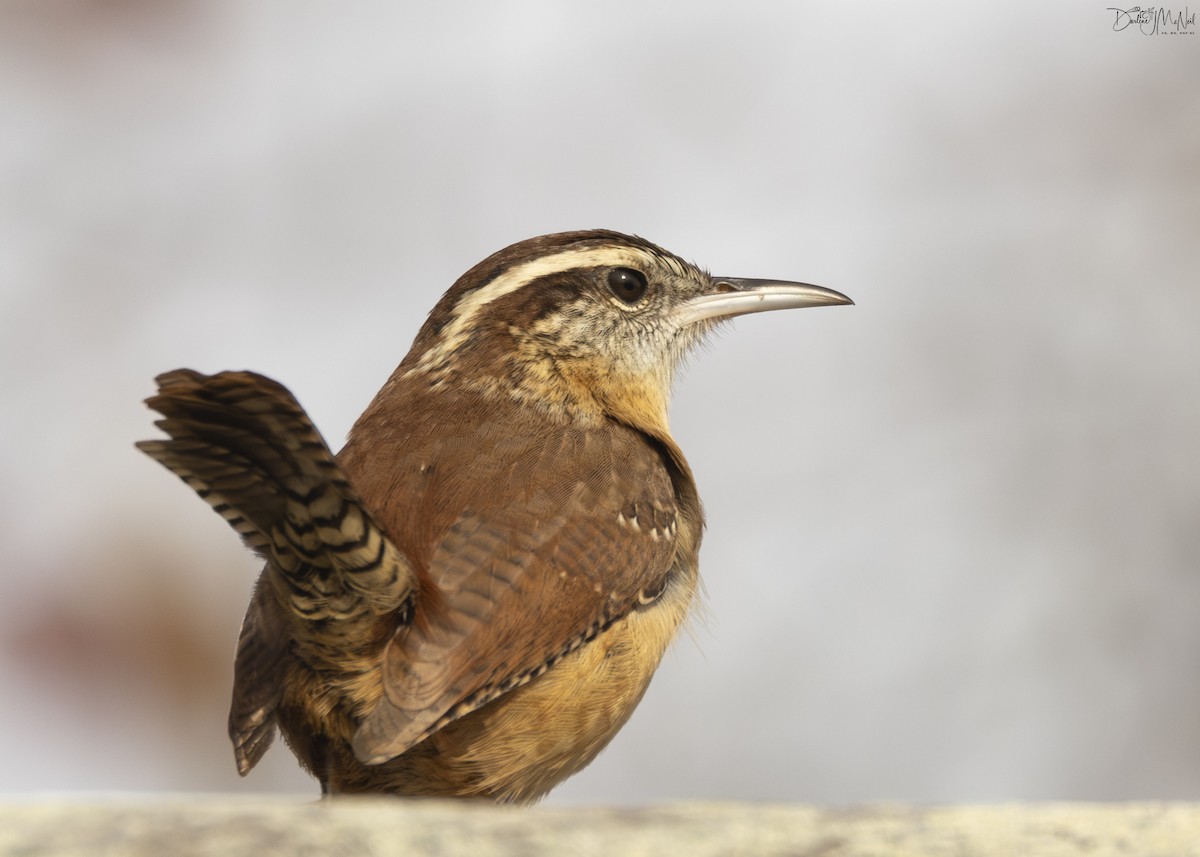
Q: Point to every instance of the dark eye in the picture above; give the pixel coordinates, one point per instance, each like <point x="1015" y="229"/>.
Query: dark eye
<point x="627" y="284"/>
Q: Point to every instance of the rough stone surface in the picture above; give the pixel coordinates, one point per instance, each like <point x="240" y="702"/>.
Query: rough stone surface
<point x="203" y="825"/>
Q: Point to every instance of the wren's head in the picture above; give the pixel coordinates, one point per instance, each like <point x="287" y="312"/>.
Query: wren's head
<point x="585" y="323"/>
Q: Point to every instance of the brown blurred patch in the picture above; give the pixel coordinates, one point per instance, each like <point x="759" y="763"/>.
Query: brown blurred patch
<point x="136" y="615"/>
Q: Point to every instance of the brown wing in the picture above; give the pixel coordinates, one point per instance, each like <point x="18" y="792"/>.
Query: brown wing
<point x="524" y="578"/>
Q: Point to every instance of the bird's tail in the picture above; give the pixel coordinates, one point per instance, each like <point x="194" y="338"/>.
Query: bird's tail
<point x="245" y="445"/>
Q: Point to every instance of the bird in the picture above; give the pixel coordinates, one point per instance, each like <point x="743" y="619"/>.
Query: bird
<point x="471" y="597"/>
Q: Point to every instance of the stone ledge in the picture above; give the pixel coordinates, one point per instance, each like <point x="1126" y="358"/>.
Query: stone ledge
<point x="205" y="825"/>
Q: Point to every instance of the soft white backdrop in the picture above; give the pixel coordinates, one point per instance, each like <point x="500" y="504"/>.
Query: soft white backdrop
<point x="954" y="543"/>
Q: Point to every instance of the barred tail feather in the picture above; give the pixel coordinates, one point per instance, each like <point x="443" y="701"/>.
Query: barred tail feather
<point x="245" y="445"/>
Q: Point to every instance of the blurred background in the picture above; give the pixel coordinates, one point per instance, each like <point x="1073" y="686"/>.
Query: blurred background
<point x="954" y="531"/>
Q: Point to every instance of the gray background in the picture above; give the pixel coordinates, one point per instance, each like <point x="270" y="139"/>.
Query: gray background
<point x="953" y="539"/>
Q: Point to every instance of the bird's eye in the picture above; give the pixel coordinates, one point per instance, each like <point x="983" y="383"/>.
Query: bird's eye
<point x="627" y="284"/>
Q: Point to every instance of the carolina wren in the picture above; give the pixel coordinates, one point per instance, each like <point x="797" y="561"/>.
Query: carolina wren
<point x="472" y="596"/>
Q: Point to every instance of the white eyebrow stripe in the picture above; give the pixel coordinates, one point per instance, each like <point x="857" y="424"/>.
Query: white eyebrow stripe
<point x="455" y="333"/>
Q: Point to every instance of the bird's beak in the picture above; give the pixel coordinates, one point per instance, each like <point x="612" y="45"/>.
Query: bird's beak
<point x="732" y="296"/>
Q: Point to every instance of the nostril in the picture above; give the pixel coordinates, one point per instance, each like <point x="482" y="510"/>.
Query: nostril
<point x="725" y="288"/>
